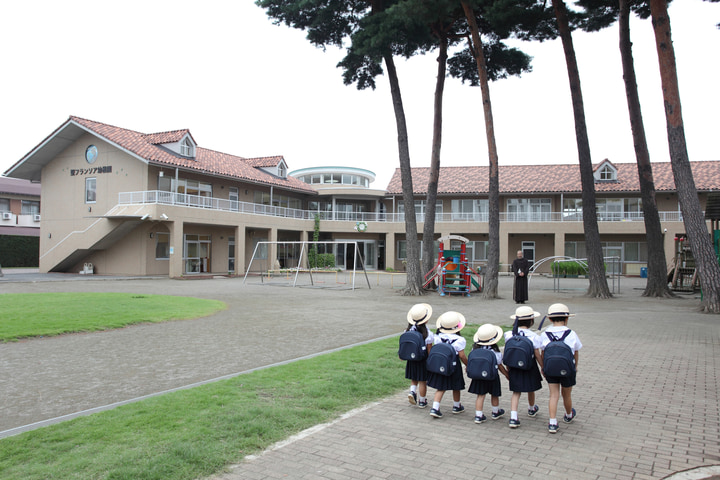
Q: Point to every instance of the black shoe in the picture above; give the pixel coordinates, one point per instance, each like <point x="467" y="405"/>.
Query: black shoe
<point x="435" y="413"/>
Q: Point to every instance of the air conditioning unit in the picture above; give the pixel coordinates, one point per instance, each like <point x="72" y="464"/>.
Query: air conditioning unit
<point x="6" y="215"/>
<point x="36" y="217"/>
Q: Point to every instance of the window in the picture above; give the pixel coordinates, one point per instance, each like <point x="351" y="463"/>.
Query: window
<point x="529" y="209"/>
<point x="186" y="148"/>
<point x="231" y="254"/>
<point x="162" y="246"/>
<point x="609" y="209"/>
<point x="234" y="197"/>
<point x="420" y="210"/>
<point x="477" y="251"/>
<point x="470" y="209"/>
<point x="402" y="249"/>
<point x="4" y="204"/>
<point x="572" y="209"/>
<point x="30" y="207"/>
<point x="90" y="190"/>
<point x="282" y="170"/>
<point x="606" y="174"/>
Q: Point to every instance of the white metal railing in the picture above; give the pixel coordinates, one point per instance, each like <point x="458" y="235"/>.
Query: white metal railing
<point x="211" y="203"/>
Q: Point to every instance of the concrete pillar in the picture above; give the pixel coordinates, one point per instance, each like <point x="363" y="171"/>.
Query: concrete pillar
<point x="240" y="265"/>
<point x="390" y="251"/>
<point x="177" y="244"/>
<point x="559" y="244"/>
<point x="272" y="249"/>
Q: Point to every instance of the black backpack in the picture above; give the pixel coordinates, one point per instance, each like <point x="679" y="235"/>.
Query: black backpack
<point x="412" y="346"/>
<point x="519" y="351"/>
<point x="482" y="364"/>
<point x="442" y="358"/>
<point x="558" y="358"/>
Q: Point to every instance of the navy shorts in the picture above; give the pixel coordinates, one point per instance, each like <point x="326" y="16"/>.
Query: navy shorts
<point x="566" y="382"/>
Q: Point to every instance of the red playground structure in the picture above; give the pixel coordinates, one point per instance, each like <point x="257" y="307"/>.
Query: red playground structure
<point x="453" y="273"/>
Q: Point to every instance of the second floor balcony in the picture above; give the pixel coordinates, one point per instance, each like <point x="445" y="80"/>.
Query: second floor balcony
<point x="222" y="204"/>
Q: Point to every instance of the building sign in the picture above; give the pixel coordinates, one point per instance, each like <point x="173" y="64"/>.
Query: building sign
<point x="90" y="171"/>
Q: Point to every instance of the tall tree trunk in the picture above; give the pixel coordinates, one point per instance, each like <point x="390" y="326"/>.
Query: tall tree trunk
<point x="490" y="288"/>
<point x="598" y="282"/>
<point x="657" y="284"/>
<point x="414" y="282"/>
<point x="428" y="248"/>
<point x="695" y="226"/>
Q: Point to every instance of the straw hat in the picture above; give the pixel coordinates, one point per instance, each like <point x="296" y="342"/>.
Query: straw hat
<point x="488" y="334"/>
<point x="524" y="312"/>
<point x="419" y="313"/>
<point x="559" y="310"/>
<point x="450" y="322"/>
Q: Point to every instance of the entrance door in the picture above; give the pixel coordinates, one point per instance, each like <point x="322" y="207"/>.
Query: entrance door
<point x="528" y="249"/>
<point x="345" y="256"/>
<point x="197" y="253"/>
<point x="613" y="265"/>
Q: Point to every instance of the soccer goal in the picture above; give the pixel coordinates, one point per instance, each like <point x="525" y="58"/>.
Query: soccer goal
<point x="305" y="264"/>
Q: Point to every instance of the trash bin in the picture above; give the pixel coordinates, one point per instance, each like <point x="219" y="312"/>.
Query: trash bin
<point x="643" y="272"/>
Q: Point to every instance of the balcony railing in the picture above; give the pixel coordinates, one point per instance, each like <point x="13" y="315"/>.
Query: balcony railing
<point x="211" y="203"/>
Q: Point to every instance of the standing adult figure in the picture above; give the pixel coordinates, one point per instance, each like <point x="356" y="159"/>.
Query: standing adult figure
<point x="521" y="269"/>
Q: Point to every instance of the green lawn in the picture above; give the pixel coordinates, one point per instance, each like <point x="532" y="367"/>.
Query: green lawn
<point x="26" y="315"/>
<point x="192" y="433"/>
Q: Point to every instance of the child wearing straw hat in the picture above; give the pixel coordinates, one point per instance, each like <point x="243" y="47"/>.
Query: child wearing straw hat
<point x="559" y="313"/>
<point x="448" y="325"/>
<point x="415" y="371"/>
<point x="488" y="336"/>
<point x="525" y="381"/>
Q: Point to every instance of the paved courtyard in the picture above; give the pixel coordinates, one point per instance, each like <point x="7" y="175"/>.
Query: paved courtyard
<point x="647" y="394"/>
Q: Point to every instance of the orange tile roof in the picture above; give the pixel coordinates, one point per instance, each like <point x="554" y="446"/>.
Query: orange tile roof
<point x="206" y="161"/>
<point x="519" y="179"/>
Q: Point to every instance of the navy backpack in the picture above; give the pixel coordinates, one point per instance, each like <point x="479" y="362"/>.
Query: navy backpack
<point x="519" y="351"/>
<point x="482" y="364"/>
<point x="558" y="358"/>
<point x="442" y="359"/>
<point x="412" y="346"/>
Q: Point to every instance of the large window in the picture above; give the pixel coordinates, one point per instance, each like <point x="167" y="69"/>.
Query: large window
<point x="529" y="209"/>
<point x="572" y="209"/>
<point x="263" y="198"/>
<point x="627" y="251"/>
<point x="609" y="209"/>
<point x="90" y="190"/>
<point x="420" y="206"/>
<point x="4" y="204"/>
<point x="402" y="249"/>
<point x="470" y="210"/>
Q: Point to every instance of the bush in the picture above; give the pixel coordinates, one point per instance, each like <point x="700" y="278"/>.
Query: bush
<point x="322" y="261"/>
<point x="17" y="251"/>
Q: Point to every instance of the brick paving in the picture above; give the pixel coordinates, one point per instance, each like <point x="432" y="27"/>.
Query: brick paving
<point x="646" y="395"/>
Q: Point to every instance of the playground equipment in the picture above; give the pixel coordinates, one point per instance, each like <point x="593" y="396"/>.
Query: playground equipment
<point x="682" y="273"/>
<point x="453" y="272"/>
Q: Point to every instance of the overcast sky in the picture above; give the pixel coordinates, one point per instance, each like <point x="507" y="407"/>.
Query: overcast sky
<point x="250" y="88"/>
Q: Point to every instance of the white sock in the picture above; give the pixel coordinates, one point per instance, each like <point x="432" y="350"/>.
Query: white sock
<point x="496" y="409"/>
<point x="456" y="404"/>
<point x="553" y="421"/>
<point x="423" y="399"/>
<point x="436" y="405"/>
<point x="478" y="413"/>
<point x="513" y="415"/>
<point x="413" y="388"/>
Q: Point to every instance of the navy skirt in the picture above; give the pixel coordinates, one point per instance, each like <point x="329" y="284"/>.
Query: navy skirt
<point x="456" y="381"/>
<point x="416" y="371"/>
<point x="525" y="380"/>
<point x="483" y="387"/>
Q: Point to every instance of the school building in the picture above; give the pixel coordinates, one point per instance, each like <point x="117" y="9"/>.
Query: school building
<point x="123" y="202"/>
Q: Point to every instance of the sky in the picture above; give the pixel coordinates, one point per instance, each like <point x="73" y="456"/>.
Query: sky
<point x="247" y="87"/>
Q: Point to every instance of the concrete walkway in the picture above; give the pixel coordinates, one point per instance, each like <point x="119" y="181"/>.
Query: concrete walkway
<point x="647" y="393"/>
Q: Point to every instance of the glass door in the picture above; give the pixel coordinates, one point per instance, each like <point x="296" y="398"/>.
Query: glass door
<point x="197" y="253"/>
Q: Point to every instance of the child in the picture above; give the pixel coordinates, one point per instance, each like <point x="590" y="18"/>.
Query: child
<point x="559" y="314"/>
<point x="525" y="380"/>
<point x="416" y="372"/>
<point x="488" y="336"/>
<point x="448" y="326"/>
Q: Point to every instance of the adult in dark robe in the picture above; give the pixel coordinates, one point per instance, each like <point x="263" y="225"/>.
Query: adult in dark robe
<point x="520" y="268"/>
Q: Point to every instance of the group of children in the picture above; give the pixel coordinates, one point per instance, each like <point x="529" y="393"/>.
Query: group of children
<point x="521" y="378"/>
